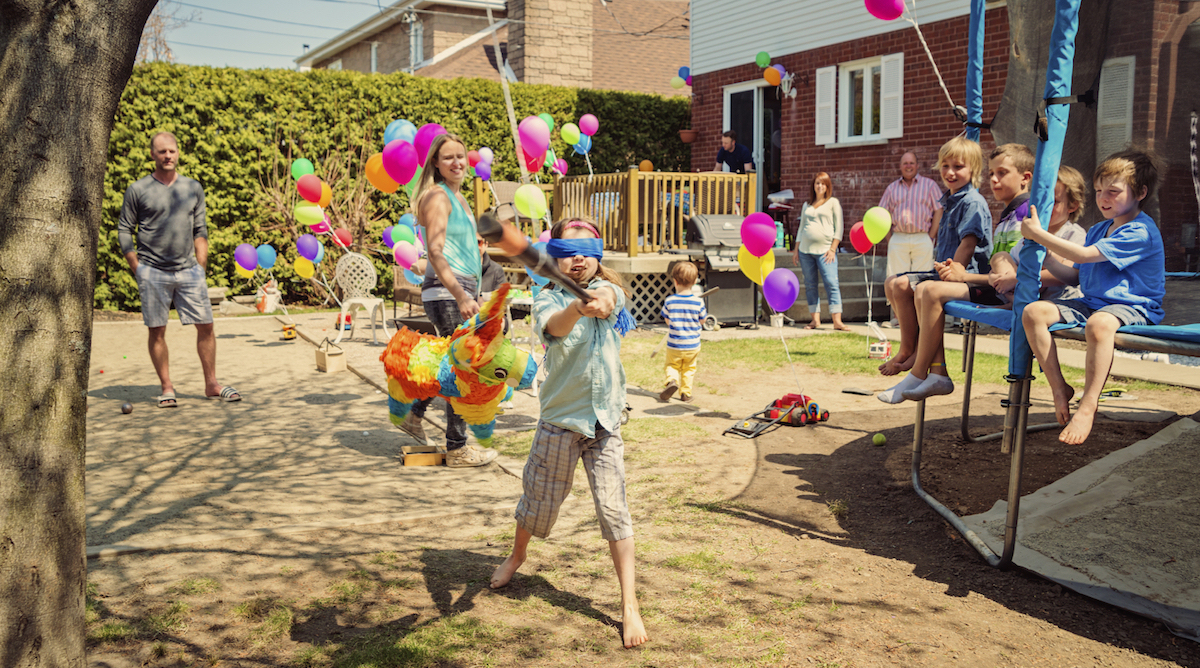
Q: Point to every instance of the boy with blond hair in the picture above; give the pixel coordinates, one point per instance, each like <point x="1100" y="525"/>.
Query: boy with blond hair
<point x="964" y="235"/>
<point x="1120" y="268"/>
<point x="684" y="313"/>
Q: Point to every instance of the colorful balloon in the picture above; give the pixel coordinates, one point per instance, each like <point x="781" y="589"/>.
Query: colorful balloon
<point x="688" y="80"/>
<point x="570" y="133"/>
<point x="762" y="59"/>
<point x="304" y="267"/>
<point x="424" y="139"/>
<point x="378" y="176"/>
<point x="685" y="72"/>
<point x="322" y="227"/>
<point x="583" y="145"/>
<point x="246" y="257"/>
<point x="244" y="273"/>
<point x="486" y="155"/>
<point x="484" y="170"/>
<point x="301" y="167"/>
<point x="886" y="10"/>
<point x="405" y="254"/>
<point x="548" y="120"/>
<point x="473" y="158"/>
<point x="306" y="246"/>
<point x="308" y="213"/>
<point x="535" y="136"/>
<point x="858" y="238"/>
<point x="531" y="201"/>
<point x="408" y="219"/>
<point x="772" y="76"/>
<point x="320" y="252"/>
<point x="413" y="278"/>
<point x="758" y="233"/>
<point x="544" y="236"/>
<point x="781" y="287"/>
<point x="402" y="233"/>
<point x="399" y="129"/>
<point x="326" y="195"/>
<point x="342" y="237"/>
<point x="533" y="163"/>
<point x="266" y="256"/>
<point x="560" y="166"/>
<point x="387" y="237"/>
<point x="755" y="268"/>
<point x="309" y="187"/>
<point x="400" y="160"/>
<point x="876" y="222"/>
<point x="589" y="124"/>
<point x="677" y="82"/>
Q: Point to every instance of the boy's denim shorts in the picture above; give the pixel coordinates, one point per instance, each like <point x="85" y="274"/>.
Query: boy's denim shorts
<point x="1076" y="312"/>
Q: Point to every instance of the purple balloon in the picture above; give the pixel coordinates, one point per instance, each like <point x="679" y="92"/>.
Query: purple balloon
<point x="387" y="236"/>
<point x="688" y="80"/>
<point x="780" y="68"/>
<point x="424" y="140"/>
<point x="484" y="170"/>
<point x="758" y="233"/>
<point x="400" y="161"/>
<point x="246" y="256"/>
<point x="781" y="287"/>
<point x="306" y="246"/>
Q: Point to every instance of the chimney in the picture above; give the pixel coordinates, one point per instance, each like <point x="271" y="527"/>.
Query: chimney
<point x="550" y="41"/>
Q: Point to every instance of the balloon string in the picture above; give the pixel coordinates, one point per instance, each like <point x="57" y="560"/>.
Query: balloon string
<point x="786" y="352"/>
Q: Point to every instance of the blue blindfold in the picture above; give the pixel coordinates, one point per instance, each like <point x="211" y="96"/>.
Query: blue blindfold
<point x="560" y="248"/>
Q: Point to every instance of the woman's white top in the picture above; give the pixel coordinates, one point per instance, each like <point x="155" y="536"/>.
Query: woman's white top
<point x="819" y="226"/>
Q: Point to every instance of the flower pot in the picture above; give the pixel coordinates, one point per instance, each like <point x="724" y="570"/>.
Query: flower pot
<point x="688" y="136"/>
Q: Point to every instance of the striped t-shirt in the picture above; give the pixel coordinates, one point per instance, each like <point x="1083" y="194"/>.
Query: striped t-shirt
<point x="685" y="313"/>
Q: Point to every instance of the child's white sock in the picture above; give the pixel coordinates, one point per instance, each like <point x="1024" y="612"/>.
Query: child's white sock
<point x="893" y="395"/>
<point x="933" y="386"/>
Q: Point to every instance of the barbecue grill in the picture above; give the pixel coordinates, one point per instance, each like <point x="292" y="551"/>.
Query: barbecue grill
<point x="717" y="239"/>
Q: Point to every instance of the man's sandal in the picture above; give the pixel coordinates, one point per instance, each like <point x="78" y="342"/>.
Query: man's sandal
<point x="227" y="395"/>
<point x="167" y="400"/>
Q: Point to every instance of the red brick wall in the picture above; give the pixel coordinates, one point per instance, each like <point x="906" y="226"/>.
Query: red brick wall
<point x="642" y="63"/>
<point x="861" y="174"/>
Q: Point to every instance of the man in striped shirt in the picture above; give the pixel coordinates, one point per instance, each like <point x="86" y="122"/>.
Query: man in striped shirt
<point x="684" y="313"/>
<point x="915" y="204"/>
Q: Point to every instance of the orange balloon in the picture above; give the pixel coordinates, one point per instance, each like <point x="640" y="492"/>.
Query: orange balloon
<point x="772" y="76"/>
<point x="326" y="195"/>
<point x="378" y="177"/>
<point x="646" y="166"/>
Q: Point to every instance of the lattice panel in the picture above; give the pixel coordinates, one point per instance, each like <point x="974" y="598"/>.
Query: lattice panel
<point x="649" y="293"/>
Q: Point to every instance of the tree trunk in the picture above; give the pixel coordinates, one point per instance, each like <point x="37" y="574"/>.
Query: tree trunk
<point x="63" y="65"/>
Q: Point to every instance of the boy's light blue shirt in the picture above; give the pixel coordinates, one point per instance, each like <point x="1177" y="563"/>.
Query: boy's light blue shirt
<point x="966" y="213"/>
<point x="585" y="382"/>
<point x="1133" y="273"/>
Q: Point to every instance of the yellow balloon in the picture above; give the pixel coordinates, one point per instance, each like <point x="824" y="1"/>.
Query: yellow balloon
<point x="244" y="273"/>
<point x="756" y="268"/>
<point x="309" y="213"/>
<point x="530" y="201"/>
<point x="304" y="267"/>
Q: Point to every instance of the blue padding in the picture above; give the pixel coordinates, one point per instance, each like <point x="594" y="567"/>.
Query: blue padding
<point x="1000" y="318"/>
<point x="1186" y="333"/>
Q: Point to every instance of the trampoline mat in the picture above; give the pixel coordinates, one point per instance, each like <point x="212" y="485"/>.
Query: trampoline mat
<point x="1123" y="529"/>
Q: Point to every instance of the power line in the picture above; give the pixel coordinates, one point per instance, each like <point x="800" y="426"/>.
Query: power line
<point x="219" y="48"/>
<point x="257" y="18"/>
<point x="262" y="32"/>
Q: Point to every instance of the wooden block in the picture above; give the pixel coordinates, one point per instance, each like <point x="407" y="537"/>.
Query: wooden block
<point x="423" y="455"/>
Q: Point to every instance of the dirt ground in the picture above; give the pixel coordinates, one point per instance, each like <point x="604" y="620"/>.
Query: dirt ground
<point x="805" y="546"/>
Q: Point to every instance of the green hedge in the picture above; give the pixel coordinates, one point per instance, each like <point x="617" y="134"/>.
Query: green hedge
<point x="239" y="129"/>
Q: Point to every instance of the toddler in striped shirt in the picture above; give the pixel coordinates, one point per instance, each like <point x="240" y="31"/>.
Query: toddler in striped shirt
<point x="684" y="313"/>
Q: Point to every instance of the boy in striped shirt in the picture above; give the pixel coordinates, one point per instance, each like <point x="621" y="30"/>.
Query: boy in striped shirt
<point x="684" y="313"/>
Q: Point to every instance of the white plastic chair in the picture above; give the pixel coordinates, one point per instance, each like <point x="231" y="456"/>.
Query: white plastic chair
<point x="356" y="276"/>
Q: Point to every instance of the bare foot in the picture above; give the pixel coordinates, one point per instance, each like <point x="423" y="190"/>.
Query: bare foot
<point x="815" y="324"/>
<point x="634" y="629"/>
<point x="840" y="327"/>
<point x="901" y="362"/>
<point x="504" y="572"/>
<point x="1062" y="403"/>
<point x="1080" y="426"/>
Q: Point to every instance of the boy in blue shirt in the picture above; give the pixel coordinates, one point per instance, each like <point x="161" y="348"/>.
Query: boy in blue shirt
<point x="1120" y="269"/>
<point x="684" y="313"/>
<point x="964" y="236"/>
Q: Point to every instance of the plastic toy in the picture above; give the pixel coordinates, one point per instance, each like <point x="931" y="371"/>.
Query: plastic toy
<point x="795" y="410"/>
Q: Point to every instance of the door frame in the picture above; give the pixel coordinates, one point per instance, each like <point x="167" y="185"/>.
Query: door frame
<point x="755" y="150"/>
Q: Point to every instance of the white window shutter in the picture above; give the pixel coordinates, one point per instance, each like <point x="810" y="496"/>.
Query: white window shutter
<point x="826" y="78"/>
<point x="891" y="88"/>
<point x="1114" y="118"/>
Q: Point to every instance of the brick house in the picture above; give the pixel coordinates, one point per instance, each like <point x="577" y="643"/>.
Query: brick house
<point x="865" y="92"/>
<point x="579" y="43"/>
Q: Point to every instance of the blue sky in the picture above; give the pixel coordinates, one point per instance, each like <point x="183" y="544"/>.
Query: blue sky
<point x="261" y="33"/>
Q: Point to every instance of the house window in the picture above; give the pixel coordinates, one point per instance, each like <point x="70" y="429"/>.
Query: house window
<point x="860" y="101"/>
<point x="416" y="45"/>
<point x="335" y="65"/>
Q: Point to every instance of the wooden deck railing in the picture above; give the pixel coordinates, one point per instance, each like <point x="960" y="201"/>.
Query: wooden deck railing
<point x="643" y="212"/>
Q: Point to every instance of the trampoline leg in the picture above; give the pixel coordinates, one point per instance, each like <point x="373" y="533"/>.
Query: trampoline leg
<point x="969" y="371"/>
<point x="1018" y="415"/>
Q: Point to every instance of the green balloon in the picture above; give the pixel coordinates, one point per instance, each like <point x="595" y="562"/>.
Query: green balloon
<point x="762" y="59"/>
<point x="549" y="120"/>
<point x="570" y="134"/>
<point x="403" y="233"/>
<point x="550" y="158"/>
<point x="309" y="213"/>
<point x="302" y="167"/>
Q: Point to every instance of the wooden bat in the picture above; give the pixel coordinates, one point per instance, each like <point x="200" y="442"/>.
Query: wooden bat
<point x="512" y="243"/>
<point x="663" y="344"/>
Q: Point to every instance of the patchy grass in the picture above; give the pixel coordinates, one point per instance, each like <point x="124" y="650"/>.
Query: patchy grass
<point x="838" y="508"/>
<point x="194" y="587"/>
<point x="111" y="632"/>
<point x="514" y="444"/>
<point x="169" y="621"/>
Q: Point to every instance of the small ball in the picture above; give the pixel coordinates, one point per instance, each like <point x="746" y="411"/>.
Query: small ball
<point x="127" y="408"/>
<point x="879" y="439"/>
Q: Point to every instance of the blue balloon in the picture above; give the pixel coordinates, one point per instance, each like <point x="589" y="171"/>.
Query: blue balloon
<point x="685" y="72"/>
<point x="399" y="129"/>
<point x="584" y="145"/>
<point x="320" y="252"/>
<point x="408" y="219"/>
<point x="538" y="280"/>
<point x="413" y="278"/>
<point x="266" y="256"/>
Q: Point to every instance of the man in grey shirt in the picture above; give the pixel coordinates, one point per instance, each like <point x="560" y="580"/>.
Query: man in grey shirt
<point x="166" y="211"/>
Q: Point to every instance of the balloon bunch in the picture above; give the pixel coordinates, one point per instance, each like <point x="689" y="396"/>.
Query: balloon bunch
<point x="874" y="226"/>
<point x="405" y="240"/>
<point x="309" y="253"/>
<point x="886" y="10"/>
<point x="774" y="74"/>
<point x="683" y="78"/>
<point x="481" y="162"/>
<point x="780" y="286"/>
<point x="315" y="195"/>
<point x="247" y="259"/>
<point x="579" y="137"/>
<point x="405" y="147"/>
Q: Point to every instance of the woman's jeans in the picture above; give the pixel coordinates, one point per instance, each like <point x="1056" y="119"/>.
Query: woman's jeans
<point x="445" y="317"/>
<point x="811" y="264"/>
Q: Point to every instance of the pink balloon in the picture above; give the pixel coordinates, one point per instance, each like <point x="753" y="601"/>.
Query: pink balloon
<point x="544" y="236"/>
<point x="400" y="161"/>
<point x="886" y="10"/>
<point x="322" y="227"/>
<point x="535" y="135"/>
<point x="424" y="139"/>
<point x="858" y="238"/>
<point x="405" y="254"/>
<point x="560" y="166"/>
<point x="589" y="124"/>
<point x="688" y="80"/>
<point x="758" y="233"/>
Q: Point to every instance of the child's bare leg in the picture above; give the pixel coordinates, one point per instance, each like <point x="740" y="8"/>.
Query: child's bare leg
<point x="631" y="618"/>
<point x="900" y="294"/>
<point x="504" y="572"/>
<point x="1101" y="334"/>
<point x="930" y="298"/>
<point x="1037" y="319"/>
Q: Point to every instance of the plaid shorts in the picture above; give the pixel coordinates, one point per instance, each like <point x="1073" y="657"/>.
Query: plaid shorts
<point x="187" y="289"/>
<point x="550" y="470"/>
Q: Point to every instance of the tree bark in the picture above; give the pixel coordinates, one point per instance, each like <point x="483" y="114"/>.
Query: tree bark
<point x="63" y="65"/>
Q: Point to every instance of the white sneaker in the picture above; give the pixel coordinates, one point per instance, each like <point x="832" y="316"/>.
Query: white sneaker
<point x="894" y="394"/>
<point x="469" y="455"/>
<point x="932" y="386"/>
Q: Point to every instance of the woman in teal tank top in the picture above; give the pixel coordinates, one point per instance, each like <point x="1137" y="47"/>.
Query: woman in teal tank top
<point x="452" y="275"/>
